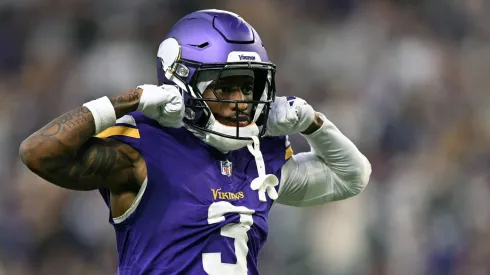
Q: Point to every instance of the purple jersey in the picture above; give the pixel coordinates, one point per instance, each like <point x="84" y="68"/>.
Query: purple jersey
<point x="198" y="214"/>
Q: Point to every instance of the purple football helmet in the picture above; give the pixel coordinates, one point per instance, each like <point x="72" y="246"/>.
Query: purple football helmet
<point x="219" y="42"/>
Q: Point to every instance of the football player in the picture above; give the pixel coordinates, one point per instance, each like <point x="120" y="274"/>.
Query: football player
<point x="191" y="167"/>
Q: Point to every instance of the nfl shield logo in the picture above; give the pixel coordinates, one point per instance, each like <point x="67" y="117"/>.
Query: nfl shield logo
<point x="226" y="168"/>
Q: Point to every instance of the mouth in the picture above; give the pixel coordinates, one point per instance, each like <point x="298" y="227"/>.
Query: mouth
<point x="242" y="121"/>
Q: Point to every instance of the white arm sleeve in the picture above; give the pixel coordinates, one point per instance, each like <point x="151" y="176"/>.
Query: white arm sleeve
<point x="333" y="170"/>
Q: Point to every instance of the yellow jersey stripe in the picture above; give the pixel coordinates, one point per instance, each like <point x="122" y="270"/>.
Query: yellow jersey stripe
<point x="289" y="152"/>
<point x="119" y="131"/>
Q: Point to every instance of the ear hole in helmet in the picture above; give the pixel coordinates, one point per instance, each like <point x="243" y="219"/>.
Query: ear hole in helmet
<point x="196" y="112"/>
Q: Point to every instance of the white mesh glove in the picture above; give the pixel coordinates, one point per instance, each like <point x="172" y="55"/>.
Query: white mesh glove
<point x="164" y="104"/>
<point x="289" y="115"/>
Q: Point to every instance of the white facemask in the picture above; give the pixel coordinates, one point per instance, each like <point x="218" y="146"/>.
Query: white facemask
<point x="228" y="144"/>
<point x="264" y="183"/>
<point x="222" y="143"/>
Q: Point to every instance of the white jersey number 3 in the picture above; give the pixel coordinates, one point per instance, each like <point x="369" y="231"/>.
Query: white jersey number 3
<point x="238" y="231"/>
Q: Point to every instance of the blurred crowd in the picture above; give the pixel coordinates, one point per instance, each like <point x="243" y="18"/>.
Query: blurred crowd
<point x="407" y="80"/>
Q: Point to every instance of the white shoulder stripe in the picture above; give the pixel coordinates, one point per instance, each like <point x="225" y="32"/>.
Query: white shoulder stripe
<point x="127" y="119"/>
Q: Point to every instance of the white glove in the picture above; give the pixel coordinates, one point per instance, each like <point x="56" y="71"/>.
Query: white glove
<point x="289" y="116"/>
<point x="164" y="104"/>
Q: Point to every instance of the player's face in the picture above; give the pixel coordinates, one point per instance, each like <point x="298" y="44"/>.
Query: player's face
<point x="231" y="88"/>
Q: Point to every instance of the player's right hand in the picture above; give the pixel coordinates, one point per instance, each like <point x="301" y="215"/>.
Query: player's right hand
<point x="164" y="104"/>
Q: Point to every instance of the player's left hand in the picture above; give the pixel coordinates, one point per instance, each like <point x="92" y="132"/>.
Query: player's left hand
<point x="289" y="115"/>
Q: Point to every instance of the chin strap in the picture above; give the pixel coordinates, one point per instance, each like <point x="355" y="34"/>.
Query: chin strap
<point x="263" y="183"/>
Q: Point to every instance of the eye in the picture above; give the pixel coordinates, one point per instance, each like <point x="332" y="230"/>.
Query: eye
<point x="247" y="89"/>
<point x="223" y="89"/>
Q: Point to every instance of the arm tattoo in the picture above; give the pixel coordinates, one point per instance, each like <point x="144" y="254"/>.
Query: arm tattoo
<point x="97" y="164"/>
<point x="64" y="152"/>
<point x="129" y="97"/>
<point x="70" y="120"/>
<point x="126" y="102"/>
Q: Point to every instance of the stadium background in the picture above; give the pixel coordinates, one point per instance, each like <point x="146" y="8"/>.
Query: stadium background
<point x="408" y="81"/>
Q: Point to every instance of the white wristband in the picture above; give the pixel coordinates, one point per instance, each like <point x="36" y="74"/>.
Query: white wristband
<point x="103" y="113"/>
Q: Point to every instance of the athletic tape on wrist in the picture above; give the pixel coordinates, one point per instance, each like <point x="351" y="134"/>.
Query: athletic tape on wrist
<point x="103" y="113"/>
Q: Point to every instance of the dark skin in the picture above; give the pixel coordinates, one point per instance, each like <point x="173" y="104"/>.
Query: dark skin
<point x="239" y="88"/>
<point x="231" y="88"/>
<point x="65" y="153"/>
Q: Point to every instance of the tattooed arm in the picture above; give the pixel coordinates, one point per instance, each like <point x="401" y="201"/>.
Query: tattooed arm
<point x="65" y="153"/>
